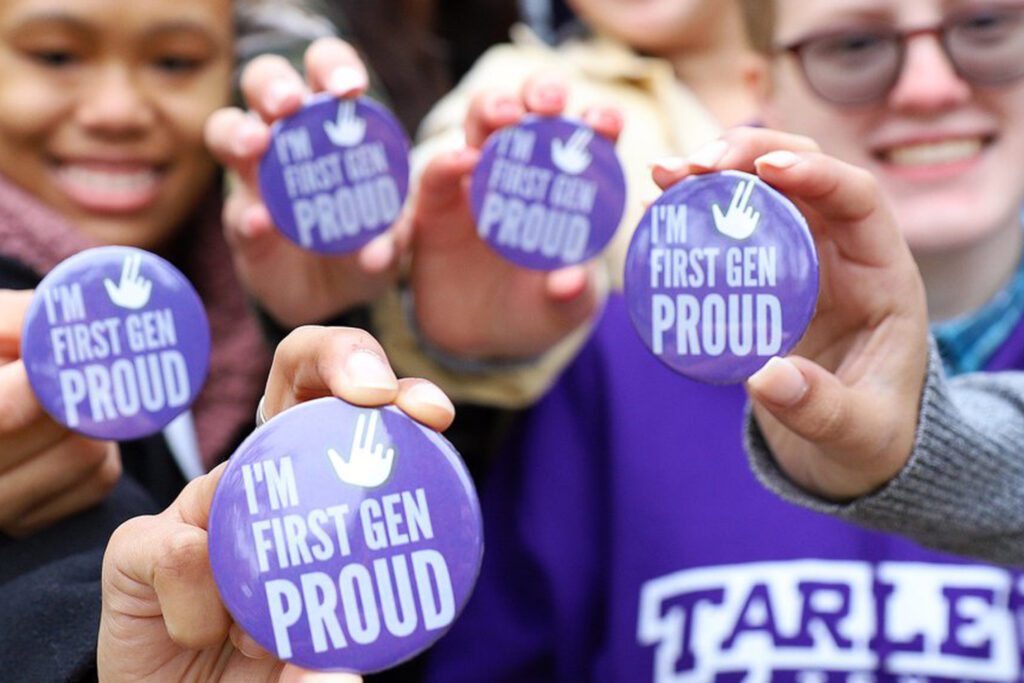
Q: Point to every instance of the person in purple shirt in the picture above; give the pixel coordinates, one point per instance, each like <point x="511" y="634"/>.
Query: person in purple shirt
<point x="627" y="538"/>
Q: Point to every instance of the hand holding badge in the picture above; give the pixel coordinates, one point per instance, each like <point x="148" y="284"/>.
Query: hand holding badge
<point x="721" y="275"/>
<point x="116" y="343"/>
<point x="548" y="192"/>
<point x="345" y="538"/>
<point x="336" y="174"/>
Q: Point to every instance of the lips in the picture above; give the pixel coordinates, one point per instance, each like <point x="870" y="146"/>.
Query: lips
<point x="110" y="187"/>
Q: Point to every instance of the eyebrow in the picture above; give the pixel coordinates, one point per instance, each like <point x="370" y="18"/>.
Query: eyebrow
<point x="75" y="23"/>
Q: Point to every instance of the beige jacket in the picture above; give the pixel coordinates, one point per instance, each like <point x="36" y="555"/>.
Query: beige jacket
<point x="662" y="118"/>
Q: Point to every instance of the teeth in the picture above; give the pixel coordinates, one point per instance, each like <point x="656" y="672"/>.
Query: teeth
<point x="934" y="152"/>
<point x="109" y="181"/>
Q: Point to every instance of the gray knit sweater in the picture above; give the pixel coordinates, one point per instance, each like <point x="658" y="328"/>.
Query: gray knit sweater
<point x="962" y="489"/>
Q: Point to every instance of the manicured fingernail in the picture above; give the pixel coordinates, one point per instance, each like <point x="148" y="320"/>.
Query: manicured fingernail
<point x="425" y="392"/>
<point x="780" y="159"/>
<point x="671" y="164"/>
<point x="780" y="382"/>
<point x="367" y="370"/>
<point x="346" y="79"/>
<point x="709" y="155"/>
<point x="280" y="94"/>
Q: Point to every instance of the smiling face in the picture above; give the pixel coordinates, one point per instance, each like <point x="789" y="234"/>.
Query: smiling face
<point x="102" y="106"/>
<point x="948" y="154"/>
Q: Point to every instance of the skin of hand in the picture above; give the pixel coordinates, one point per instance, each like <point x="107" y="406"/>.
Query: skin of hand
<point x="840" y="412"/>
<point x="293" y="285"/>
<point x="469" y="301"/>
<point x="162" y="618"/>
<point x="47" y="473"/>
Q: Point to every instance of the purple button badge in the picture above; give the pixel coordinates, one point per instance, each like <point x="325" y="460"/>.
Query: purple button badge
<point x="116" y="343"/>
<point x="345" y="538"/>
<point x="336" y="174"/>
<point x="548" y="192"/>
<point x="721" y="275"/>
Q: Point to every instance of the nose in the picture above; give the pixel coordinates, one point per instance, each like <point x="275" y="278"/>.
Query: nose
<point x="928" y="82"/>
<point x="113" y="104"/>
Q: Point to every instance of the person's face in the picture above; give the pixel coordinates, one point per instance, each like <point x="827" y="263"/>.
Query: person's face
<point x="102" y="106"/>
<point x="949" y="155"/>
<point x="656" y="26"/>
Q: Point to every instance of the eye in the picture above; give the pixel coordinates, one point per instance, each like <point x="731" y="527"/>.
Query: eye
<point x="54" y="58"/>
<point x="989" y="26"/>
<point x="177" y="63"/>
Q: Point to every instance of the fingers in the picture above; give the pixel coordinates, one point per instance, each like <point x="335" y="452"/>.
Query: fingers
<point x="841" y="194"/>
<point x="237" y="140"/>
<point x="607" y="121"/>
<point x="80" y="495"/>
<point x="272" y="87"/>
<point x="72" y="475"/>
<point x="13" y="306"/>
<point x="293" y="674"/>
<point x="542" y="94"/>
<point x="736" y="149"/>
<point x="851" y="426"/>
<point x="313" y="362"/>
<point x="424" y="402"/>
<point x="332" y="65"/>
<point x="488" y="112"/>
<point x="545" y="94"/>
<point x="25" y="428"/>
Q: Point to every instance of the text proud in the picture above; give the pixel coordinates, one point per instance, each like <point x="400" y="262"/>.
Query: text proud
<point x="348" y="574"/>
<point x="721" y="276"/>
<point x="548" y="193"/>
<point x="116" y="366"/>
<point x="711" y="300"/>
<point x="336" y="174"/>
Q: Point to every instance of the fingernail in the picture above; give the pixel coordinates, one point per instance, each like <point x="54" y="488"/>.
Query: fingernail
<point x="780" y="382"/>
<point x="425" y="392"/>
<point x="506" y="106"/>
<point x="780" y="159"/>
<point x="280" y="94"/>
<point x="551" y="95"/>
<point x="247" y="137"/>
<point x="346" y="79"/>
<point x="671" y="164"/>
<point x="367" y="370"/>
<point x="709" y="155"/>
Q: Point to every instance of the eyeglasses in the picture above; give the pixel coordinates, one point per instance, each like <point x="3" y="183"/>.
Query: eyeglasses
<point x="862" y="65"/>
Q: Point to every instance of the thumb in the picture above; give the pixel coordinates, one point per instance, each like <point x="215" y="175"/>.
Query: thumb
<point x="857" y="435"/>
<point x="717" y="213"/>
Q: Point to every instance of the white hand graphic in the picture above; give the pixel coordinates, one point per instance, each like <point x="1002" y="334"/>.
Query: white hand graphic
<point x="368" y="465"/>
<point x="349" y="129"/>
<point x="133" y="290"/>
<point x="571" y="156"/>
<point x="740" y="219"/>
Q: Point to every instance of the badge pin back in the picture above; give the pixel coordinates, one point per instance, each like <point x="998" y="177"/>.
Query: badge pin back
<point x="721" y="275"/>
<point x="345" y="538"/>
<point x="336" y="174"/>
<point x="548" y="192"/>
<point x="116" y="343"/>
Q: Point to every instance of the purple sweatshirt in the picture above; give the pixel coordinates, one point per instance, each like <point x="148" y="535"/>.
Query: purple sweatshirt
<point x="628" y="541"/>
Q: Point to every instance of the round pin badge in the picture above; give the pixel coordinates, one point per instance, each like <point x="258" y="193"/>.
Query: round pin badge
<point x="116" y="343"/>
<point x="345" y="538"/>
<point x="548" y="192"/>
<point x="721" y="275"/>
<point x="336" y="173"/>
